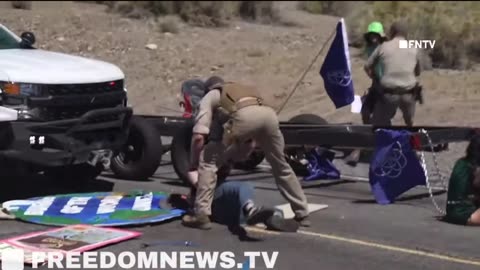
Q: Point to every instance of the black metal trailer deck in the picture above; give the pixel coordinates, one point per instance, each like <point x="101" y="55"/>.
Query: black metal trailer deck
<point x="335" y="136"/>
<point x="144" y="150"/>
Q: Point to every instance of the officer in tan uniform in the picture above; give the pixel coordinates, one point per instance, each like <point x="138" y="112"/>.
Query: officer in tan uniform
<point x="248" y="121"/>
<point x="398" y="85"/>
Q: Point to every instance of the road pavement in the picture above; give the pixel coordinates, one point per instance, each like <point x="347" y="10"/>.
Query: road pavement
<point x="352" y="233"/>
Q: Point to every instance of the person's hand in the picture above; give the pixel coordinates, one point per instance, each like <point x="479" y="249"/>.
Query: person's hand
<point x="197" y="137"/>
<point x="193" y="177"/>
<point x="476" y="185"/>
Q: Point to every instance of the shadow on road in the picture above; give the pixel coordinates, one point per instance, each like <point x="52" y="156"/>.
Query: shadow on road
<point x="403" y="198"/>
<point x="112" y="176"/>
<point x="37" y="185"/>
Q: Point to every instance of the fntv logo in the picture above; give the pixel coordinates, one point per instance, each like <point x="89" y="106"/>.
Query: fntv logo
<point x="417" y="44"/>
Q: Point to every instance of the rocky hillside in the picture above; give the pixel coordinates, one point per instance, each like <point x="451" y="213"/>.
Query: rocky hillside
<point x="272" y="56"/>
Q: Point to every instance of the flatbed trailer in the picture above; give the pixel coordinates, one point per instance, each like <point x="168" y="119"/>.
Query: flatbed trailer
<point x="345" y="135"/>
<point x="299" y="135"/>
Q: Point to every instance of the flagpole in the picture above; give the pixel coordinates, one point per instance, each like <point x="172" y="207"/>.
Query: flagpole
<point x="306" y="71"/>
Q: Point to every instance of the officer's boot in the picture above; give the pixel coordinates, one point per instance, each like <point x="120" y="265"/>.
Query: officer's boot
<point x="197" y="221"/>
<point x="303" y="221"/>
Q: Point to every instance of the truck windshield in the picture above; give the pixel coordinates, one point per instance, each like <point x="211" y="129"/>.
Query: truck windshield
<point x="7" y="41"/>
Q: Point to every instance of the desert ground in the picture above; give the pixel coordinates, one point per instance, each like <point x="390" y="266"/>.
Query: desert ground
<point x="272" y="57"/>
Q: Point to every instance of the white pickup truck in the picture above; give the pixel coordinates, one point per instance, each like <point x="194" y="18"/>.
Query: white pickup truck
<point x="60" y="114"/>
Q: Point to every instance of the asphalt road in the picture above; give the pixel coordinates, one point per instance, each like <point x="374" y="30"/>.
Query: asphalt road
<point x="352" y="233"/>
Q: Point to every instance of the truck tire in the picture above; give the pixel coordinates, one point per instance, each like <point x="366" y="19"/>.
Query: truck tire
<point x="180" y="156"/>
<point x="295" y="155"/>
<point x="180" y="153"/>
<point x="142" y="153"/>
<point x="308" y="118"/>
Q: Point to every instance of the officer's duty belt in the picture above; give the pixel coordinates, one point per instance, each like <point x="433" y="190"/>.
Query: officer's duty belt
<point x="398" y="91"/>
<point x="248" y="102"/>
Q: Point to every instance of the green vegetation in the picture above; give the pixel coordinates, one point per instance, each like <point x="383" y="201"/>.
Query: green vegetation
<point x="454" y="25"/>
<point x="199" y="13"/>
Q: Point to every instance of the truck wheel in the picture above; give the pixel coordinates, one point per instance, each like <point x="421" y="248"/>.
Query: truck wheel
<point x="141" y="156"/>
<point x="180" y="153"/>
<point x="296" y="156"/>
<point x="180" y="156"/>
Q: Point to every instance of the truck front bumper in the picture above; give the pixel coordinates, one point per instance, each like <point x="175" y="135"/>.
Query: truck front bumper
<point x="66" y="142"/>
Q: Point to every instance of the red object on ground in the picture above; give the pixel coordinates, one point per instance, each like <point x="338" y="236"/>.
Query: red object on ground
<point x="416" y="142"/>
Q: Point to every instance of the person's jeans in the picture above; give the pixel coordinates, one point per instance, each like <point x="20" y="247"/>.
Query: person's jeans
<point x="229" y="199"/>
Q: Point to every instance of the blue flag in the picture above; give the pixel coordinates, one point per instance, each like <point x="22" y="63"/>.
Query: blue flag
<point x="336" y="70"/>
<point x="320" y="165"/>
<point x="395" y="167"/>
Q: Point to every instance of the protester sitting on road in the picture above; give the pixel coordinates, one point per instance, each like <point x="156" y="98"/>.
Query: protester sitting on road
<point x="233" y="205"/>
<point x="373" y="38"/>
<point x="463" y="199"/>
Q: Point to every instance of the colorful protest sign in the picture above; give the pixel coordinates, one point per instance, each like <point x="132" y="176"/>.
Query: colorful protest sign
<point x="99" y="209"/>
<point x="71" y="238"/>
<point x="75" y="238"/>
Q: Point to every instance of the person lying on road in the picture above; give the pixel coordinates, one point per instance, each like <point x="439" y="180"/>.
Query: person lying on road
<point x="234" y="205"/>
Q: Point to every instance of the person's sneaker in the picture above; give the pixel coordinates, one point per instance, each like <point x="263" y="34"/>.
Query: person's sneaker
<point x="257" y="215"/>
<point x="353" y="158"/>
<point x="278" y="223"/>
<point x="197" y="221"/>
<point x="303" y="221"/>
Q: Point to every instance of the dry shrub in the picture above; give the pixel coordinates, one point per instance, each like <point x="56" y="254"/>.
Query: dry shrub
<point x="334" y="8"/>
<point x="201" y="13"/>
<point x="22" y="4"/>
<point x="169" y="25"/>
<point x="260" y="11"/>
<point x="453" y="25"/>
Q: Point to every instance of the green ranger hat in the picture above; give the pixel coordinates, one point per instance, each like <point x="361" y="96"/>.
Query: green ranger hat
<point x="376" y="27"/>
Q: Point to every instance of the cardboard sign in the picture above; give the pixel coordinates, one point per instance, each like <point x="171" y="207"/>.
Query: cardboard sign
<point x="288" y="213"/>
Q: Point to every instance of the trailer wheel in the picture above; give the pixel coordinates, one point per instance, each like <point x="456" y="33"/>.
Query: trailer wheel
<point x="296" y="156"/>
<point x="308" y="118"/>
<point x="141" y="156"/>
<point x="180" y="153"/>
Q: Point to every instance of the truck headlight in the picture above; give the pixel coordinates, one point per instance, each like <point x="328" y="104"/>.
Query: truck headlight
<point x="23" y="89"/>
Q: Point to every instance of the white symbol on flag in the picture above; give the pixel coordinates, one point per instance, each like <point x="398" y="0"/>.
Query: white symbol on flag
<point x="339" y="77"/>
<point x="394" y="164"/>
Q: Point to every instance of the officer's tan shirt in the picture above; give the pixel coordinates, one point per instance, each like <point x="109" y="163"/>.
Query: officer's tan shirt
<point x="400" y="66"/>
<point x="210" y="119"/>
